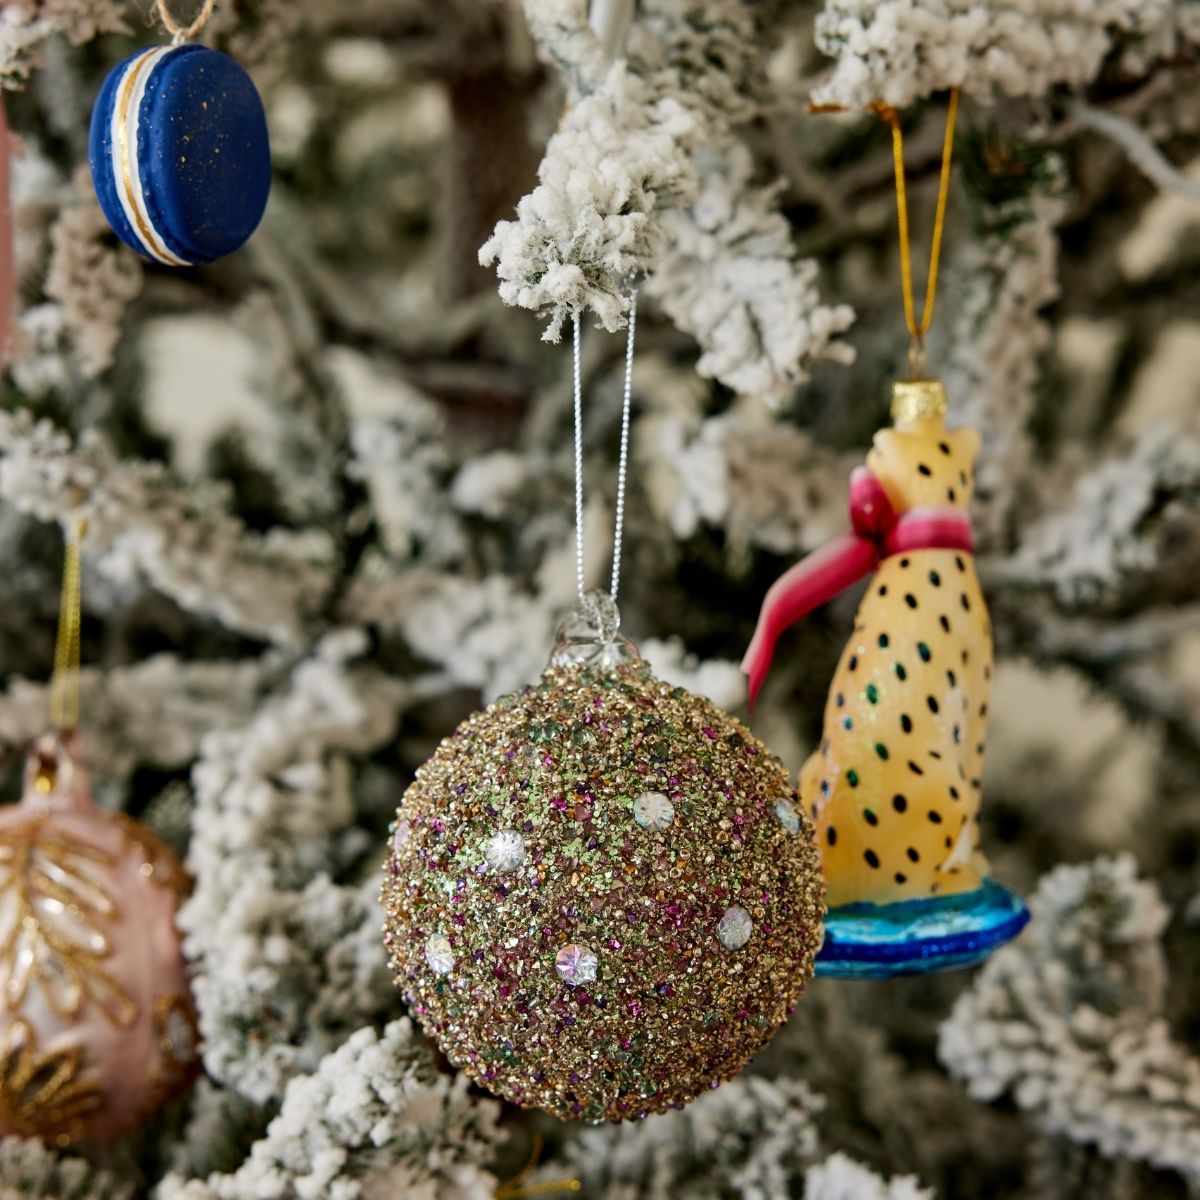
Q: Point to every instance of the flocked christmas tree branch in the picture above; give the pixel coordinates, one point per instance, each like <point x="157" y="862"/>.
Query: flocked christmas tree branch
<point x="375" y="1119"/>
<point x="752" y="1138"/>
<point x="268" y="929"/>
<point x="637" y="183"/>
<point x="1070" y="1022"/>
<point x="901" y="51"/>
<point x="146" y="530"/>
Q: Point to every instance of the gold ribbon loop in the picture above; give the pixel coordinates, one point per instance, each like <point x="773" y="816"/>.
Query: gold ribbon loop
<point x="916" y="329"/>
<point x="64" y="686"/>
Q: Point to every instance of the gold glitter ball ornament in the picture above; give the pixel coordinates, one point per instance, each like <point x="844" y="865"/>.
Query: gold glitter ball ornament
<point x="601" y="899"/>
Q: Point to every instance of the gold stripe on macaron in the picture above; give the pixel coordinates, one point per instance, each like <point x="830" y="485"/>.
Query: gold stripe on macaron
<point x="151" y="239"/>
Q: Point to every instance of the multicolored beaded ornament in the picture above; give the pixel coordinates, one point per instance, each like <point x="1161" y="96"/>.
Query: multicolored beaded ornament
<point x="601" y="898"/>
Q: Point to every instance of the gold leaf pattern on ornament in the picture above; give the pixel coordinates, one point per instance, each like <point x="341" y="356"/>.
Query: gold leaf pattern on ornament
<point x="54" y="907"/>
<point x="44" y="1095"/>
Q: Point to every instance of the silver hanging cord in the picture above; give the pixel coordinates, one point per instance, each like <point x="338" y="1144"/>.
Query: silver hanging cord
<point x="623" y="458"/>
<point x="579" y="583"/>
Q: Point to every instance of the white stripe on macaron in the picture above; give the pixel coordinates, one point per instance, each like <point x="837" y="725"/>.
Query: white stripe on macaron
<point x="127" y="179"/>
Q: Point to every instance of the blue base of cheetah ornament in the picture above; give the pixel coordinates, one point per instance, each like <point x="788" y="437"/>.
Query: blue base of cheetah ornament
<point x="179" y="154"/>
<point x="918" y="937"/>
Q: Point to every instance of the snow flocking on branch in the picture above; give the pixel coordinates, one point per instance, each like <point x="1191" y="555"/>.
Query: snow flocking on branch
<point x="734" y="281"/>
<point x="90" y="280"/>
<point x="1112" y="529"/>
<point x="900" y="51"/>
<point x="749" y="1137"/>
<point x="645" y="180"/>
<point x="1069" y="1021"/>
<point x="146" y="530"/>
<point x="26" y="24"/>
<point x="66" y="259"/>
<point x="31" y="1171"/>
<point x="287" y="960"/>
<point x="841" y="1178"/>
<point x="765" y="484"/>
<point x="374" y="1120"/>
<point x="752" y="1138"/>
<point x="589" y="227"/>
<point x="155" y="711"/>
<point x="402" y="457"/>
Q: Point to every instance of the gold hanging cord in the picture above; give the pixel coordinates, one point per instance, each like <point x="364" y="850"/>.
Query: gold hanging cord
<point x="184" y="33"/>
<point x="916" y="330"/>
<point x="64" y="686"/>
<point x="514" y="1189"/>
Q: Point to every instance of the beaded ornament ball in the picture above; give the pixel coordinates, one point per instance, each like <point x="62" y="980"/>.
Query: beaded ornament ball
<point x="601" y="896"/>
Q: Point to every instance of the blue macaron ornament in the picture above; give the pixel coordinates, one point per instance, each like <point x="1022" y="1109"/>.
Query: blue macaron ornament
<point x="179" y="153"/>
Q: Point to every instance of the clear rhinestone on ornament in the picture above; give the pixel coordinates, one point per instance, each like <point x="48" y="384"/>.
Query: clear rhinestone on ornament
<point x="789" y="818"/>
<point x="653" y="811"/>
<point x="505" y="851"/>
<point x="439" y="954"/>
<point x="734" y="928"/>
<point x="576" y="965"/>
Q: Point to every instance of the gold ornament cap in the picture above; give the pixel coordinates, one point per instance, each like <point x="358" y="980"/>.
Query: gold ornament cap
<point x="918" y="400"/>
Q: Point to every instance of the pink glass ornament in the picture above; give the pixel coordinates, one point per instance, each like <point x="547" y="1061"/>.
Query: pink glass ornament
<point x="97" y="1027"/>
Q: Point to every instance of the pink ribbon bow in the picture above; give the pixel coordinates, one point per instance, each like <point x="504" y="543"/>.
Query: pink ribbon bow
<point x="826" y="573"/>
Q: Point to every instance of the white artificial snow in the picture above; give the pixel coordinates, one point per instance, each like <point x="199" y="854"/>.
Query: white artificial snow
<point x="146" y="530"/>
<point x="375" y="1119"/>
<point x="268" y="930"/>
<point x="899" y="51"/>
<point x="644" y="180"/>
<point x="1069" y="1021"/>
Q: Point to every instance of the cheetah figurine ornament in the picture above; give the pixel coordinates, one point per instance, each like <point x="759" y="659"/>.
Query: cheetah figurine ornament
<point x="894" y="787"/>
